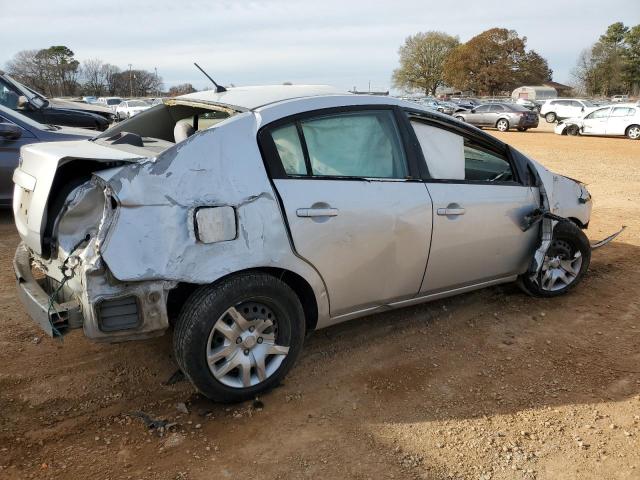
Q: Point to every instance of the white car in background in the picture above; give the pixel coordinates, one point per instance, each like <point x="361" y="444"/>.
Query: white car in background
<point x="111" y="102"/>
<point x="560" y="108"/>
<point x="620" y="98"/>
<point x="613" y="120"/>
<point x="129" y="108"/>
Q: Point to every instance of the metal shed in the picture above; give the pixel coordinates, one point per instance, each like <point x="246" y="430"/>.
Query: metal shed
<point x="538" y="92"/>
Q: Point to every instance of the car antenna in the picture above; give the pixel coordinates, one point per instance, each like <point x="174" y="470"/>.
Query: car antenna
<point x="219" y="88"/>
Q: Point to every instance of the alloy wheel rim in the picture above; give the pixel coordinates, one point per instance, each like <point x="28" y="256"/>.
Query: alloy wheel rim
<point x="634" y="132"/>
<point x="560" y="267"/>
<point x="502" y="125"/>
<point x="242" y="349"/>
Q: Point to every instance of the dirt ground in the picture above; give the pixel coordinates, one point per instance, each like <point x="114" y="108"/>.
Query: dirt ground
<point x="487" y="385"/>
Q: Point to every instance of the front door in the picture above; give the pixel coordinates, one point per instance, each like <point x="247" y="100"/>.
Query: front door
<point x="352" y="211"/>
<point x="478" y="210"/>
<point x="596" y="122"/>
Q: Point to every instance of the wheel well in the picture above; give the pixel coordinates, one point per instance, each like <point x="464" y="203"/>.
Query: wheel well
<point x="577" y="222"/>
<point x="178" y="296"/>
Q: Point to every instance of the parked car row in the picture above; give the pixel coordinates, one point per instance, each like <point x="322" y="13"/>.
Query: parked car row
<point x="24" y="100"/>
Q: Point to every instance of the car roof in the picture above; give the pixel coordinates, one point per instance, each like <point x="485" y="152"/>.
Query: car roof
<point x="251" y="98"/>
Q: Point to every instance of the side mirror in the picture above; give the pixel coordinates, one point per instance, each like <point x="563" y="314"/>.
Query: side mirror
<point x="9" y="131"/>
<point x="473" y="110"/>
<point x="582" y="109"/>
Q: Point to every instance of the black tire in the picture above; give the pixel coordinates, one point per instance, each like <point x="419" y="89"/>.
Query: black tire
<point x="550" y="117"/>
<point x="569" y="233"/>
<point x="460" y="117"/>
<point x="572" y="130"/>
<point x="522" y="129"/>
<point x="207" y="304"/>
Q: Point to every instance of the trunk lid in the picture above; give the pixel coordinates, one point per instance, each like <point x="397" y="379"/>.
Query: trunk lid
<point x="38" y="181"/>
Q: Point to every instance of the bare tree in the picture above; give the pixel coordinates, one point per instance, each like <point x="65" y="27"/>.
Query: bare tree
<point x="93" y="75"/>
<point x="181" y="89"/>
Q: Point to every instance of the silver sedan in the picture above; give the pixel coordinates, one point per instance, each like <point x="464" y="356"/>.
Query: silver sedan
<point x="502" y="116"/>
<point x="251" y="216"/>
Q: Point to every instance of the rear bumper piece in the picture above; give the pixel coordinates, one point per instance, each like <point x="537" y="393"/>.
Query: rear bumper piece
<point x="53" y="318"/>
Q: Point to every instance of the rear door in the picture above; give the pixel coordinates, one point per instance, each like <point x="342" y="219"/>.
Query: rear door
<point x="495" y="112"/>
<point x="619" y="120"/>
<point x="478" y="116"/>
<point x="356" y="208"/>
<point x="478" y="204"/>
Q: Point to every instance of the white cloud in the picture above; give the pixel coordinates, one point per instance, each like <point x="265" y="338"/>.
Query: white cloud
<point x="270" y="41"/>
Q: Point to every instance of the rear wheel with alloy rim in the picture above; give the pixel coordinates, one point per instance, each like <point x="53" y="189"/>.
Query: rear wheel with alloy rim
<point x="239" y="338"/>
<point x="460" y="117"/>
<point x="564" y="264"/>
<point x="550" y="117"/>
<point x="502" y="125"/>
<point x="633" y="132"/>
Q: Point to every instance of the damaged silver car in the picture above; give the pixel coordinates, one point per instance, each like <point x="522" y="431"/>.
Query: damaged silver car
<point x="249" y="217"/>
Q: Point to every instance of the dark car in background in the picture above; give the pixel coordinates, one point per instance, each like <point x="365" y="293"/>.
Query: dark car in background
<point x="502" y="116"/>
<point x="32" y="104"/>
<point x="17" y="130"/>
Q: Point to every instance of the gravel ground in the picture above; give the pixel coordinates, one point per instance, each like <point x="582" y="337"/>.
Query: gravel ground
<point x="488" y="385"/>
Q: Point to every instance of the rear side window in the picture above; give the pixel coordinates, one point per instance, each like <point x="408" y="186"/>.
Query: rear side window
<point x="354" y="144"/>
<point x="289" y="149"/>
<point x="496" y="108"/>
<point x="623" y="112"/>
<point x="482" y="108"/>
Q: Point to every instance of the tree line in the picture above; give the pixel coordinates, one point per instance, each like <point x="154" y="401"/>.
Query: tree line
<point x="611" y="66"/>
<point x="491" y="63"/>
<point x="55" y="72"/>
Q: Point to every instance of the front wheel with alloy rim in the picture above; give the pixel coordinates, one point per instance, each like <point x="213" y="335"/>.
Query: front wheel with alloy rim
<point x="239" y="338"/>
<point x="564" y="264"/>
<point x="460" y="117"/>
<point x="550" y="117"/>
<point x="502" y="125"/>
<point x="633" y="132"/>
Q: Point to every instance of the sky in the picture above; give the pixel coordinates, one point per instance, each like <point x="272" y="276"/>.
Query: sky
<point x="346" y="44"/>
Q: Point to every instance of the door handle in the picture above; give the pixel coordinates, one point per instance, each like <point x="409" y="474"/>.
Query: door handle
<point x="450" y="211"/>
<point x="317" y="212"/>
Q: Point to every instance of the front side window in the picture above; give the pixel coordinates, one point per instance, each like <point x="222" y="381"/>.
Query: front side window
<point x="353" y="144"/>
<point x="602" y="113"/>
<point x="482" y="109"/>
<point x="496" y="108"/>
<point x="450" y="156"/>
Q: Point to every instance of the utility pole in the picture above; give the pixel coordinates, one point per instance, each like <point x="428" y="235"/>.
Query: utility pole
<point x="157" y="85"/>
<point x="130" y="82"/>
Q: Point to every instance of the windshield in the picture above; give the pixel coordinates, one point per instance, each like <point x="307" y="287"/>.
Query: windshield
<point x="114" y="101"/>
<point x="137" y="103"/>
<point x="587" y="103"/>
<point x="35" y="98"/>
